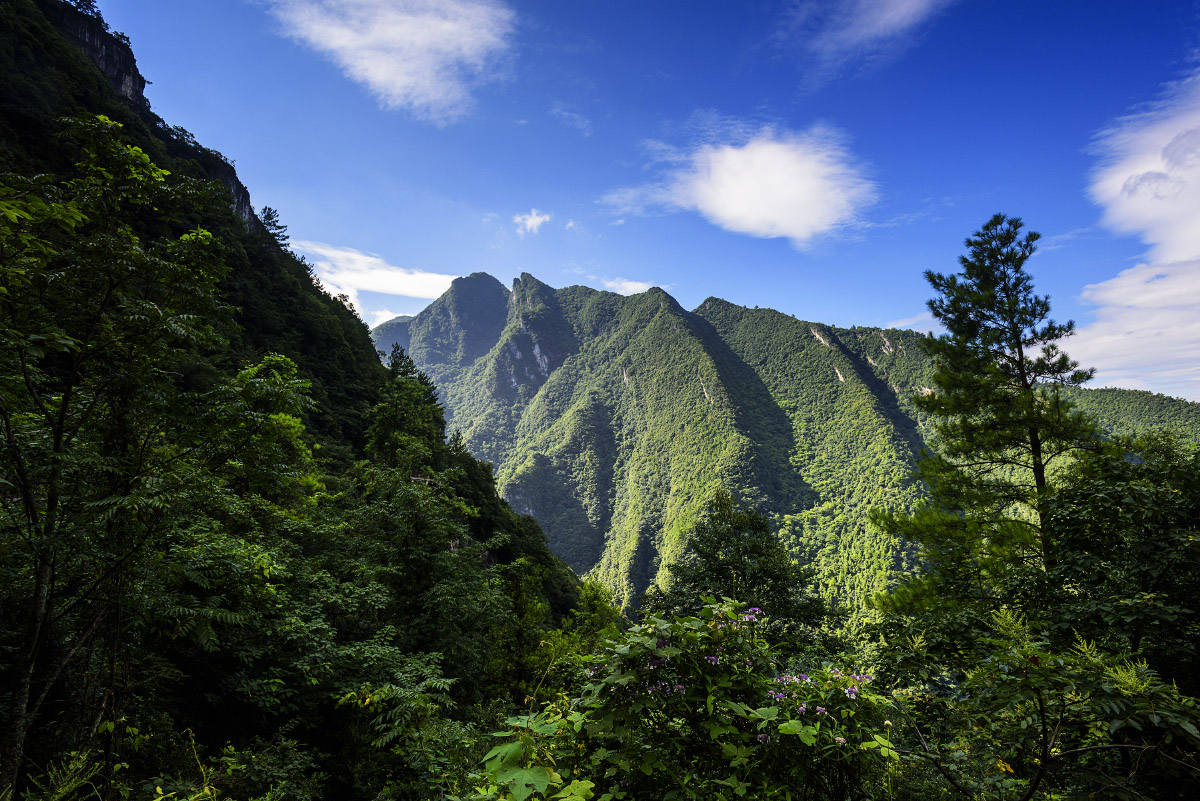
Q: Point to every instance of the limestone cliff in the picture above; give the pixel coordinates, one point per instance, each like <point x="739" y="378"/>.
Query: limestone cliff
<point x="111" y="52"/>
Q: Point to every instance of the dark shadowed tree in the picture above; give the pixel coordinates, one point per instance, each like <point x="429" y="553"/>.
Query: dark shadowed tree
<point x="733" y="553"/>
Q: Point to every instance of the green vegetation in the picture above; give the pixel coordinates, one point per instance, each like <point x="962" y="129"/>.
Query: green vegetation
<point x="733" y="553"/>
<point x="613" y="419"/>
<point x="239" y="554"/>
<point x="1027" y="633"/>
<point x="276" y="306"/>
<point x="233" y="571"/>
<point x="176" y="559"/>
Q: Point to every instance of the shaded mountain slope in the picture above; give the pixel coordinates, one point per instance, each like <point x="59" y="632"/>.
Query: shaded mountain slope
<point x="58" y="61"/>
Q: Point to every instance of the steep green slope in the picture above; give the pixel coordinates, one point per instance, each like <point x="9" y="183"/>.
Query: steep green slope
<point x="392" y="332"/>
<point x="611" y="419"/>
<point x="851" y="440"/>
<point x="49" y="57"/>
<point x="1134" y="411"/>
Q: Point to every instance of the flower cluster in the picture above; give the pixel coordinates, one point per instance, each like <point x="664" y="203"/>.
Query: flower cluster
<point x="664" y="688"/>
<point x="788" y="679"/>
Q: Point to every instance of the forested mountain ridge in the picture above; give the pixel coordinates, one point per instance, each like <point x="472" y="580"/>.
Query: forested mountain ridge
<point x="612" y="418"/>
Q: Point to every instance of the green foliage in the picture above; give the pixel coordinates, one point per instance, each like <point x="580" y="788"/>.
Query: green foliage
<point x="695" y="707"/>
<point x="239" y="557"/>
<point x="1129" y="536"/>
<point x="1001" y="421"/>
<point x="272" y="294"/>
<point x="733" y="553"/>
<point x="175" y="558"/>
<point x="631" y="412"/>
<point x="1018" y="644"/>
<point x="999" y="431"/>
<point x="1032" y="719"/>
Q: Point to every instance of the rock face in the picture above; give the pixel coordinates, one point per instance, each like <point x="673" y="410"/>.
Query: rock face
<point x="223" y="171"/>
<point x="112" y="54"/>
<point x="110" y="51"/>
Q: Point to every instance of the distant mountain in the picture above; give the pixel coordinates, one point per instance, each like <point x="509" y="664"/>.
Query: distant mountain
<point x="392" y="332"/>
<point x="611" y="419"/>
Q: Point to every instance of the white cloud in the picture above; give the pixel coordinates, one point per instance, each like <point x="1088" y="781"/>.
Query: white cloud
<point x="1147" y="327"/>
<point x="347" y="271"/>
<point x="421" y="55"/>
<point x="795" y="185"/>
<point x="568" y="115"/>
<point x="531" y="222"/>
<point x="623" y="286"/>
<point x="923" y="322"/>
<point x="381" y="316"/>
<point x="571" y="226"/>
<point x="830" y="35"/>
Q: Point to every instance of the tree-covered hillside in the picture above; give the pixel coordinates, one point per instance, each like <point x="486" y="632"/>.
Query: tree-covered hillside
<point x="276" y="305"/>
<point x="612" y="418"/>
<point x="224" y="522"/>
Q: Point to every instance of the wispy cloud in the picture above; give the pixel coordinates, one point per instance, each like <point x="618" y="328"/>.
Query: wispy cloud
<point x="1060" y="241"/>
<point x="922" y="322"/>
<point x="762" y="182"/>
<point x="424" y="56"/>
<point x="624" y="286"/>
<point x="531" y="222"/>
<point x="346" y="271"/>
<point x="570" y="116"/>
<point x="1147" y="328"/>
<point x="832" y="36"/>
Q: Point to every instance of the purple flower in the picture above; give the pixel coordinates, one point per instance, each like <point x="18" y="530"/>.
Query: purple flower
<point x="820" y="710"/>
<point x="851" y="692"/>
<point x="714" y="659"/>
<point x="840" y="740"/>
<point x="764" y="738"/>
<point x="755" y="610"/>
<point x="802" y="709"/>
<point x="679" y="688"/>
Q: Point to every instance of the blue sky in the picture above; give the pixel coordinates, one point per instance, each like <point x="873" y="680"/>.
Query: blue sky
<point x="810" y="157"/>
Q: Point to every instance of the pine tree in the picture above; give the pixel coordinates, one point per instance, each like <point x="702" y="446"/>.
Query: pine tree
<point x="1002" y="429"/>
<point x="1008" y="640"/>
<point x="1002" y="421"/>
